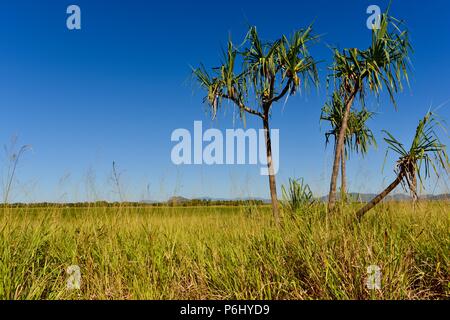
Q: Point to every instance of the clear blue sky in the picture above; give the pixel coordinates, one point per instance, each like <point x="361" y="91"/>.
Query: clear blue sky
<point x="116" y="89"/>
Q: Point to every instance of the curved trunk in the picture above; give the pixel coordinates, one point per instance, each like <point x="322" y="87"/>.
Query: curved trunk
<point x="379" y="197"/>
<point x="272" y="183"/>
<point x="338" y="151"/>
<point x="343" y="175"/>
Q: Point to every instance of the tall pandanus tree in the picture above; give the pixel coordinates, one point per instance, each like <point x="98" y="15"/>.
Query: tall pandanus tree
<point x="358" y="136"/>
<point x="256" y="76"/>
<point x="426" y="153"/>
<point x="355" y="72"/>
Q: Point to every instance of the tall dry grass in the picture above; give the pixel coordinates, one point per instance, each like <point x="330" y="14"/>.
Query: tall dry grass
<point x="224" y="253"/>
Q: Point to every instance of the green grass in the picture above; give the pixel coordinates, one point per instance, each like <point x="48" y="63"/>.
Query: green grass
<point x="224" y="253"/>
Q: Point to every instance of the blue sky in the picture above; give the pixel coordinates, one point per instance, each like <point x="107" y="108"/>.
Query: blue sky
<point x="117" y="88"/>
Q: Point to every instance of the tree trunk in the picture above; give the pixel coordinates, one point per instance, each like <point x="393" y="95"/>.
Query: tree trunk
<point x="272" y="183"/>
<point x="343" y="175"/>
<point x="379" y="197"/>
<point x="338" y="151"/>
<point x="413" y="187"/>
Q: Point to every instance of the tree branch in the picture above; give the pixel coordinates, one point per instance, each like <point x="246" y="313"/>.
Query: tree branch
<point x="242" y="106"/>
<point x="283" y="93"/>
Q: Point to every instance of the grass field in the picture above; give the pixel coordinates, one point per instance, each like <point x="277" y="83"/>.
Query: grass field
<point x="224" y="253"/>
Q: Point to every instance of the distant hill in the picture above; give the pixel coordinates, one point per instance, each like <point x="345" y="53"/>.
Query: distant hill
<point x="177" y="200"/>
<point x="234" y="199"/>
<point x="445" y="196"/>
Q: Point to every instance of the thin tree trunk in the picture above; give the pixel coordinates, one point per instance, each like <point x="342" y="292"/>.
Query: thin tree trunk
<point x="343" y="175"/>
<point x="272" y="183"/>
<point x="379" y="197"/>
<point x="414" y="195"/>
<point x="338" y="151"/>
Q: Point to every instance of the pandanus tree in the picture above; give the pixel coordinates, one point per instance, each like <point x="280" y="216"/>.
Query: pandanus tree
<point x="358" y="136"/>
<point x="256" y="76"/>
<point x="426" y="153"/>
<point x="355" y="72"/>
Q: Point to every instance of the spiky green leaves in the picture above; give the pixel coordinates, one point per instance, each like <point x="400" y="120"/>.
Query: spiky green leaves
<point x="295" y="60"/>
<point x="224" y="83"/>
<point x="358" y="136"/>
<point x="297" y="194"/>
<point x="259" y="70"/>
<point x="426" y="152"/>
<point x="383" y="65"/>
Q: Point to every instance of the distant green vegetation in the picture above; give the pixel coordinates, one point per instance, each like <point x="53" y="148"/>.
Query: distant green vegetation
<point x="224" y="252"/>
<point x="170" y="203"/>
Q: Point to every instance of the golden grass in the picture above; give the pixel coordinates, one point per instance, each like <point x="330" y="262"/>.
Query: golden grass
<point x="224" y="253"/>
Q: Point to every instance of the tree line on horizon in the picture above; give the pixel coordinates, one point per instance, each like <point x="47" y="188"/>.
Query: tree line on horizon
<point x="117" y="204"/>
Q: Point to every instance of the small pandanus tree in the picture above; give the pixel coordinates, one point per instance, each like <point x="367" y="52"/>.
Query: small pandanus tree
<point x="296" y="194"/>
<point x="256" y="76"/>
<point x="358" y="136"/>
<point x="354" y="72"/>
<point x="426" y="153"/>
